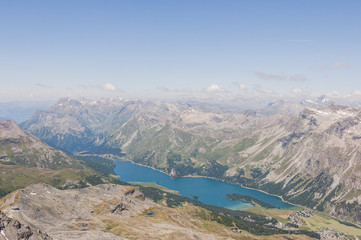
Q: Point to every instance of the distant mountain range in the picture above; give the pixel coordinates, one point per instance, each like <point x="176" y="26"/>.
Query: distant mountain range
<point x="310" y="156"/>
<point x="31" y="209"/>
<point x="19" y="111"/>
<point x="282" y="106"/>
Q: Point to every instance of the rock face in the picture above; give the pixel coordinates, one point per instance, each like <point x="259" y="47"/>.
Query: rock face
<point x="312" y="159"/>
<point x="13" y="229"/>
<point x="22" y="148"/>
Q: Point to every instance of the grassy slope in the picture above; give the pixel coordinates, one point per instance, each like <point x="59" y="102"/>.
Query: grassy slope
<point x="14" y="177"/>
<point x="180" y="223"/>
<point x="317" y="221"/>
<point x="155" y="185"/>
<point x="313" y="223"/>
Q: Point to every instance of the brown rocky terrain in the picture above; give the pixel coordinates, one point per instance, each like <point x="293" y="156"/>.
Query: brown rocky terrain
<point x="70" y="212"/>
<point x="13" y="229"/>
<point x="111" y="212"/>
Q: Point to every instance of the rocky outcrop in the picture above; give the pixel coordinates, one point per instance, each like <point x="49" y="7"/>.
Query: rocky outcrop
<point x="11" y="229"/>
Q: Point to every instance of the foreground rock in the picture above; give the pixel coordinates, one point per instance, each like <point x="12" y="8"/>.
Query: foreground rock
<point x="108" y="212"/>
<point x="13" y="229"/>
<point x="73" y="214"/>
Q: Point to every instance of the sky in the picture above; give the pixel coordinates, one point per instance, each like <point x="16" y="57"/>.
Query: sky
<point x="53" y="49"/>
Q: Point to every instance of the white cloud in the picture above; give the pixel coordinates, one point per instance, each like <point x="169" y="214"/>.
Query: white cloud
<point x="298" y="78"/>
<point x="279" y="77"/>
<point x="108" y="87"/>
<point x="334" y="94"/>
<point x="340" y="65"/>
<point x="352" y="98"/>
<point x="356" y="93"/>
<point x="186" y="90"/>
<point x="296" y="90"/>
<point x="214" y="88"/>
<point x="266" y="76"/>
<point x="242" y="86"/>
<point x="327" y="67"/>
<point x="40" y="85"/>
<point x="265" y="91"/>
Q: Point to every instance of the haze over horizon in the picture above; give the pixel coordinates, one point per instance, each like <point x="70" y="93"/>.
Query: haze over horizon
<point x="167" y="49"/>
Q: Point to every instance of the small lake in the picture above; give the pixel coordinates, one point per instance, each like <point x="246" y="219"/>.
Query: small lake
<point x="207" y="190"/>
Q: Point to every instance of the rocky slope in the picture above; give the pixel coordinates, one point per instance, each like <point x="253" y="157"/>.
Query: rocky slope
<point x="111" y="212"/>
<point x="13" y="229"/>
<point x="315" y="161"/>
<point x="311" y="158"/>
<point x="25" y="160"/>
<point x="69" y="212"/>
<point x="22" y="148"/>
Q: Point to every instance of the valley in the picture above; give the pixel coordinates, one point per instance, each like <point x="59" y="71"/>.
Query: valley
<point x="33" y="209"/>
<point x="264" y="152"/>
<point x="311" y="158"/>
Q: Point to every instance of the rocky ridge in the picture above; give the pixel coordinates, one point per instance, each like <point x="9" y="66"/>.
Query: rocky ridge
<point x="20" y="147"/>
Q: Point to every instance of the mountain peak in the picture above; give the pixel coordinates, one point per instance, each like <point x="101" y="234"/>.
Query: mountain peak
<point x="319" y="102"/>
<point x="323" y="99"/>
<point x="68" y="101"/>
<point x="9" y="129"/>
<point x="20" y="147"/>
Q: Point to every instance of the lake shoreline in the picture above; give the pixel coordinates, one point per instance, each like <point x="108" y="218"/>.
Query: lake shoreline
<point x="220" y="180"/>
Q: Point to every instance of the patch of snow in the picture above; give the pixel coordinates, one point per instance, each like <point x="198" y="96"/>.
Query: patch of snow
<point x="310" y="101"/>
<point x="3" y="234"/>
<point x="338" y="114"/>
<point x="324" y="99"/>
<point x="346" y="114"/>
<point x="321" y="113"/>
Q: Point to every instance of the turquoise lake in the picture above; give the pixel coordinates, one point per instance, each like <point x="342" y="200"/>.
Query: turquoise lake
<point x="209" y="191"/>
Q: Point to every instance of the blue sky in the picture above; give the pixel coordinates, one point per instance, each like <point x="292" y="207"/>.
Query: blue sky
<point x="50" y="49"/>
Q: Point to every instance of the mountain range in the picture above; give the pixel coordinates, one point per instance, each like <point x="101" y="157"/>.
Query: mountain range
<point x="48" y="194"/>
<point x="309" y="157"/>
